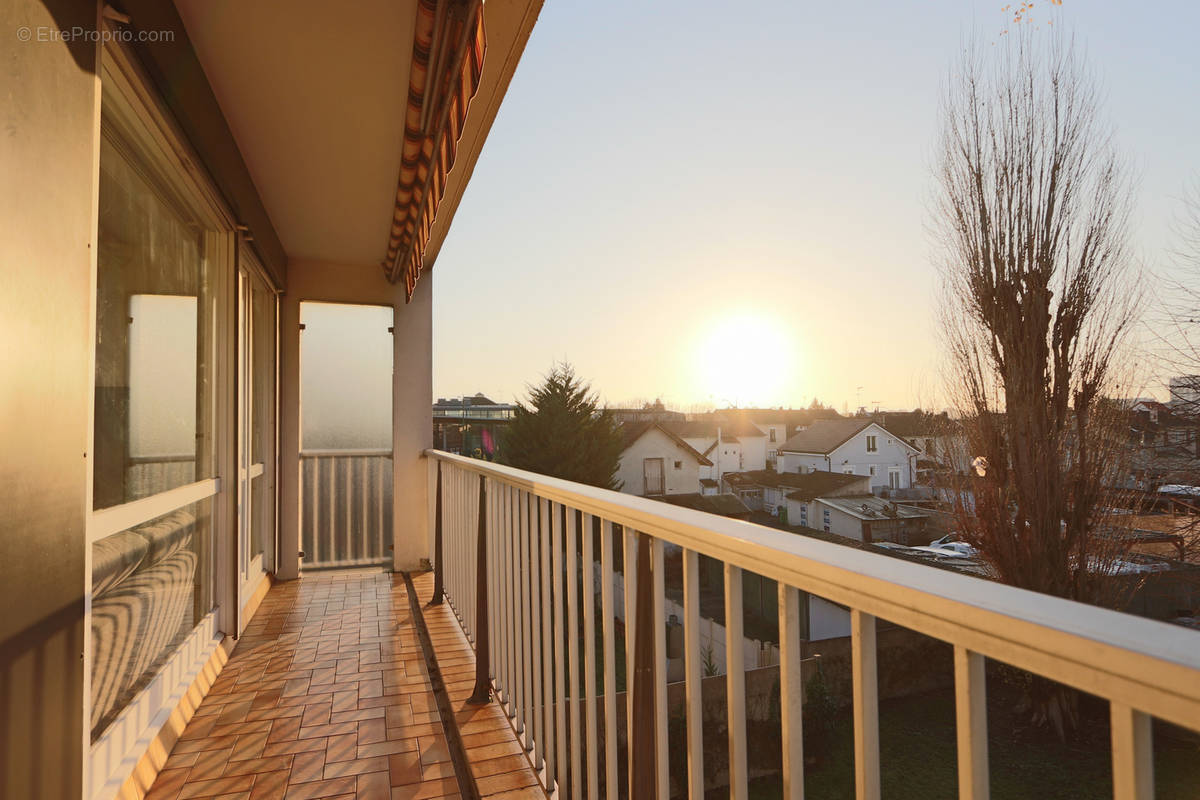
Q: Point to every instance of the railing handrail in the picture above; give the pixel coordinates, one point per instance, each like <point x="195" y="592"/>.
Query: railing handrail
<point x="1148" y="665"/>
<point x="329" y="452"/>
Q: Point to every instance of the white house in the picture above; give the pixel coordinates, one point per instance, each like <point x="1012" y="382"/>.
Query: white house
<point x="657" y="462"/>
<point x="775" y="432"/>
<point x="852" y="447"/>
<point x="731" y="445"/>
<point x="864" y="518"/>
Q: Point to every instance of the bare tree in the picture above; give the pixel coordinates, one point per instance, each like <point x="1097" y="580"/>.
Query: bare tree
<point x="1039" y="293"/>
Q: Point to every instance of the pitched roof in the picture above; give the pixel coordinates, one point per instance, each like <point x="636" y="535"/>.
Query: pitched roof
<point x="632" y="431"/>
<point x="827" y="435"/>
<point x="727" y="505"/>
<point x="731" y="429"/>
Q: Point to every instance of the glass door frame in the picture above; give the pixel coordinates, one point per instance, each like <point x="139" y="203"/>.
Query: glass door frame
<point x="253" y="568"/>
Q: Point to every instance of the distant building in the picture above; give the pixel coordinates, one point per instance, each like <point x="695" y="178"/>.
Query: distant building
<point x="650" y="412"/>
<point x="470" y="425"/>
<point x="1185" y="394"/>
<point x="656" y="462"/>
<point x="732" y="445"/>
<point x="478" y="406"/>
<point x="857" y="446"/>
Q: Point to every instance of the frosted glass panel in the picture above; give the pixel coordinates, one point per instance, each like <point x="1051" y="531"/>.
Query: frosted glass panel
<point x="346" y="377"/>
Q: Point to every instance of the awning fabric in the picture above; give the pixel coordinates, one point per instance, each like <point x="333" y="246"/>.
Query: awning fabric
<point x="448" y="51"/>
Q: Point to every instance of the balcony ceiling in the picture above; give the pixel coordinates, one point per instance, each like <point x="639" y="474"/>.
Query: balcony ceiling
<point x="314" y="94"/>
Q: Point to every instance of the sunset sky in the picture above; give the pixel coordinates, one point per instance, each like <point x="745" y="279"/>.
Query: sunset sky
<point x="692" y="202"/>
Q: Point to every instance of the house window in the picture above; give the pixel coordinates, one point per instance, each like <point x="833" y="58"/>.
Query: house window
<point x="894" y="477"/>
<point x="873" y="469"/>
<point x="678" y="465"/>
<point x="825" y="519"/>
<point x="772" y="434"/>
<point x="871" y="444"/>
<point x="652" y="476"/>
<point x="804" y="514"/>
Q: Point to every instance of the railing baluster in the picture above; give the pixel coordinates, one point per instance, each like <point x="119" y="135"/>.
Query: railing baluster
<point x="525" y="634"/>
<point x="608" y="622"/>
<point x="511" y="599"/>
<point x="866" y="705"/>
<point x="692" y="674"/>
<point x="1132" y="753"/>
<point x="572" y="647"/>
<point x="587" y="545"/>
<point x="970" y="701"/>
<point x="735" y="681"/>
<point x="535" y="631"/>
<point x="791" y="693"/>
<point x="629" y="553"/>
<point x="547" y="602"/>
<point x="560" y="676"/>
<point x="661" y="762"/>
<point x="482" y="693"/>
<point x="439" y="565"/>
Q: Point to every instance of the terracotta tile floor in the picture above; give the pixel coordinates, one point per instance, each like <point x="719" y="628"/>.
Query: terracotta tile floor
<point x="328" y="696"/>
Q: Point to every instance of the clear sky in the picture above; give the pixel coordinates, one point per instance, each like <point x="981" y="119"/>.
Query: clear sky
<point x="727" y="202"/>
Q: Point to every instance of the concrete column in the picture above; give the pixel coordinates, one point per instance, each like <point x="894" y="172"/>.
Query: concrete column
<point x="412" y="398"/>
<point x="49" y="169"/>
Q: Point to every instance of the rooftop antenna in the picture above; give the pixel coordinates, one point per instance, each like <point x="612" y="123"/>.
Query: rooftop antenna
<point x="858" y="397"/>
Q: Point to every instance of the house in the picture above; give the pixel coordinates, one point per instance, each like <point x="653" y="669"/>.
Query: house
<point x="856" y="446"/>
<point x="657" y="462"/>
<point x="868" y="518"/>
<point x="732" y="445"/>
<point x="649" y="412"/>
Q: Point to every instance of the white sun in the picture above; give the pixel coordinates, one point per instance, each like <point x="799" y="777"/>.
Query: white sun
<point x="745" y="360"/>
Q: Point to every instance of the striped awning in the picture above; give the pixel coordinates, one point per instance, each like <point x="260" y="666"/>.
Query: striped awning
<point x="448" y="50"/>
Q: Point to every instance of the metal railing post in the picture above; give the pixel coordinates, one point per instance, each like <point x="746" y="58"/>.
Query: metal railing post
<point x="643" y="783"/>
<point x="483" y="666"/>
<point x="439" y="585"/>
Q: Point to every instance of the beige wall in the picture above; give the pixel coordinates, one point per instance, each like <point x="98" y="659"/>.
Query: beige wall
<point x="49" y="171"/>
<point x="656" y="444"/>
<point x="412" y="399"/>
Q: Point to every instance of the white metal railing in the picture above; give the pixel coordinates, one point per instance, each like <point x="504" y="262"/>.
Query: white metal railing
<point x="346" y="507"/>
<point x="1144" y="668"/>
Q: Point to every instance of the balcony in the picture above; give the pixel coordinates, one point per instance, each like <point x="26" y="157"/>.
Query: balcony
<point x="330" y="690"/>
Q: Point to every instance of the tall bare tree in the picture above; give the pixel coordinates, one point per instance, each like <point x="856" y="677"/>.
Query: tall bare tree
<point x="1039" y="293"/>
